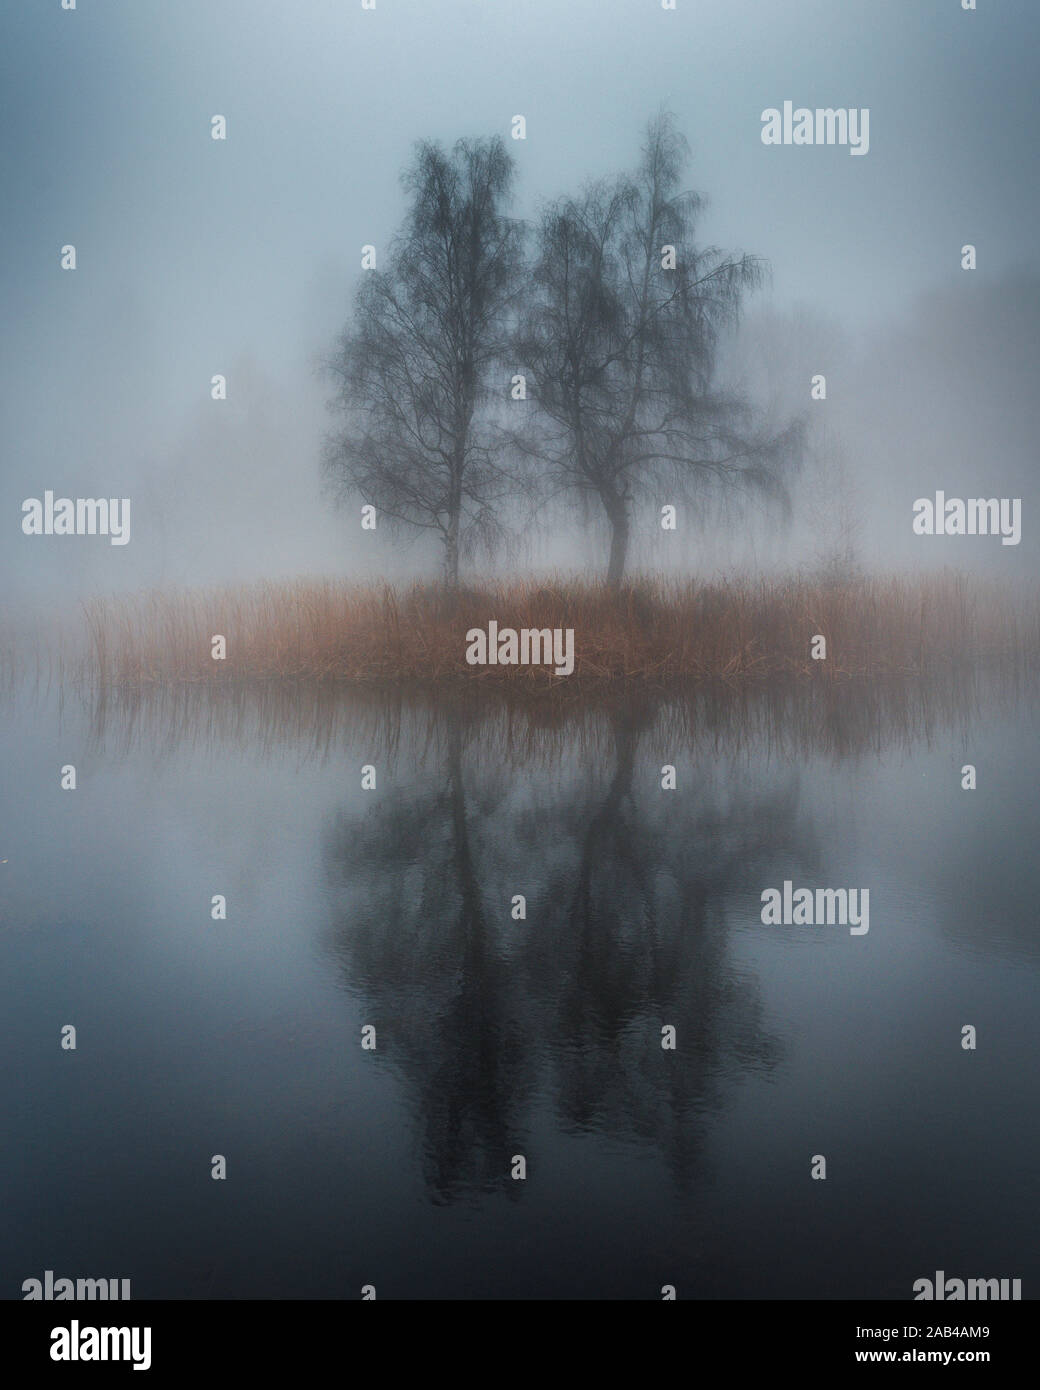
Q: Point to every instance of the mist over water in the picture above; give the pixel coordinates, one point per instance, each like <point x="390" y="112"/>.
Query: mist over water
<point x="499" y="1036"/>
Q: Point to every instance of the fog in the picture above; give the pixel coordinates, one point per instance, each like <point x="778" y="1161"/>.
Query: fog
<point x="198" y="257"/>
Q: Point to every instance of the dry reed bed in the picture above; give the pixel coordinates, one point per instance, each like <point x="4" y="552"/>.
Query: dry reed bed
<point x="654" y="633"/>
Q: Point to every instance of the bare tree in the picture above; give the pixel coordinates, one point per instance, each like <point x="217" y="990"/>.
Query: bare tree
<point x="621" y="339"/>
<point x="414" y="366"/>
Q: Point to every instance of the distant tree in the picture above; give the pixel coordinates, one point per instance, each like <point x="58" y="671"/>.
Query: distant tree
<point x="621" y="335"/>
<point x="414" y="366"/>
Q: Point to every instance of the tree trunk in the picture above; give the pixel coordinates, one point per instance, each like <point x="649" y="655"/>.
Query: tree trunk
<point x="451" y="558"/>
<point x="617" y="511"/>
<point x="451" y="537"/>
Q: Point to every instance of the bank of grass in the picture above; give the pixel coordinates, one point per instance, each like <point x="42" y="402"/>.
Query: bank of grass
<point x="655" y="633"/>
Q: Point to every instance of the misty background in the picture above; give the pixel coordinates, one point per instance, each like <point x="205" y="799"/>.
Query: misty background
<point x="240" y="257"/>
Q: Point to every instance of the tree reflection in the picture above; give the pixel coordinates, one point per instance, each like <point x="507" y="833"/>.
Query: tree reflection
<point x="630" y="895"/>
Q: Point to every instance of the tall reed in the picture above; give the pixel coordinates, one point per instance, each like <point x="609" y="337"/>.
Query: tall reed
<point x="654" y="633"/>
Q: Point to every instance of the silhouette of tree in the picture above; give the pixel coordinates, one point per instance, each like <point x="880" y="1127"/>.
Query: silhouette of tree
<point x="621" y="335"/>
<point x="413" y="368"/>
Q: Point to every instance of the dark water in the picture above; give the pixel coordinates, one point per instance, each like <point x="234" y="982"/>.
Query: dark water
<point x="498" y="1037"/>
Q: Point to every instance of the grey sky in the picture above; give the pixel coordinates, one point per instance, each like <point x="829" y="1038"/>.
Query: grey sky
<point x="197" y="257"/>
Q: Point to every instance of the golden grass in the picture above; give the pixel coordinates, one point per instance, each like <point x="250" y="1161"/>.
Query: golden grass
<point x="655" y="634"/>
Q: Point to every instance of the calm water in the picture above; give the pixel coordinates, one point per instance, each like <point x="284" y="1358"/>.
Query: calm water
<point x="499" y="1037"/>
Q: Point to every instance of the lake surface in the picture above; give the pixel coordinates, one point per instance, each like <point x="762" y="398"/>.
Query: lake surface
<point x="498" y="1037"/>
